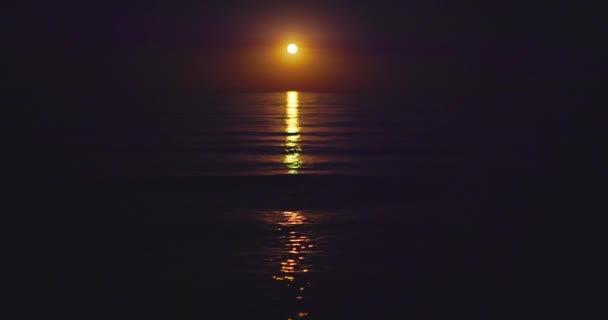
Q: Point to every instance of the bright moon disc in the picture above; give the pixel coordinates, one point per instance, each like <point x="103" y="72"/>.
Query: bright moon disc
<point x="292" y="48"/>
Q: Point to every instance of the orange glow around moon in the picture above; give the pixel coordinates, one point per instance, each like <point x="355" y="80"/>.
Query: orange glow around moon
<point x="292" y="48"/>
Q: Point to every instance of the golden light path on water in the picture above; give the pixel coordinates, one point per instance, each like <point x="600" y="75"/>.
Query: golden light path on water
<point x="297" y="245"/>
<point x="293" y="157"/>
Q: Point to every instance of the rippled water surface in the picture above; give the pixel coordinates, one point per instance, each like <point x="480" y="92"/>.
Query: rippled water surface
<point x="288" y="133"/>
<point x="284" y="133"/>
<point x="286" y="205"/>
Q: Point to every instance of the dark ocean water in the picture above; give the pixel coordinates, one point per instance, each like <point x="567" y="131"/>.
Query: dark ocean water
<point x="289" y="133"/>
<point x="295" y="205"/>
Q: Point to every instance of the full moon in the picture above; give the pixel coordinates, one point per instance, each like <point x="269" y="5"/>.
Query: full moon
<point x="292" y="48"/>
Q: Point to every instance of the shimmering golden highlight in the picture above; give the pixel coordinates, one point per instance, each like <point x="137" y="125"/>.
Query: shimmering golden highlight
<point x="294" y="273"/>
<point x="293" y="159"/>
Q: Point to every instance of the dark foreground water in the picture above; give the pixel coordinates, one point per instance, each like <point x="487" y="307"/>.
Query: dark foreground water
<point x="297" y="206"/>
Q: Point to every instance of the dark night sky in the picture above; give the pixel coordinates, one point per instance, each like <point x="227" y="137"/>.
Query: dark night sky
<point x="406" y="45"/>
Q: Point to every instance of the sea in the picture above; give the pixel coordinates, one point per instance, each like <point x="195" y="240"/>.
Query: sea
<point x="289" y="205"/>
<point x="290" y="133"/>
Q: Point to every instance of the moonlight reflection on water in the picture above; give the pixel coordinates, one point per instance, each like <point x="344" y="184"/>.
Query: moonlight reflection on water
<point x="293" y="158"/>
<point x="291" y="263"/>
